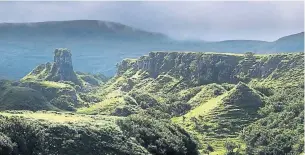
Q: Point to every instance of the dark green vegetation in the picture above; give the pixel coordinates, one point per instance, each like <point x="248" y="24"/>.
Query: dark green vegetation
<point x="162" y="103"/>
<point x="98" y="45"/>
<point x="21" y="98"/>
<point x="281" y="129"/>
<point x="70" y="134"/>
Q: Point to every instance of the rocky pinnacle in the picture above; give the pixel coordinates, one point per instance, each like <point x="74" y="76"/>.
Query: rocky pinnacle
<point x="62" y="69"/>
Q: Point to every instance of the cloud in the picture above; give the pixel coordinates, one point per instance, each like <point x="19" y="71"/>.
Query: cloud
<point x="182" y="20"/>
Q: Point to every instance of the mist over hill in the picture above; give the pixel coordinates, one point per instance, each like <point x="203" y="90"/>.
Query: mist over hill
<point x="98" y="45"/>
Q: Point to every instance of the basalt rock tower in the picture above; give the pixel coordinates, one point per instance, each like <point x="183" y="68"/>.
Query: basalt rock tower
<point x="62" y="68"/>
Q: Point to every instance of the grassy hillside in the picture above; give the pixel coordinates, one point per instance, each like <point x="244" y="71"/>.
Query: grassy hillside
<point x="60" y="85"/>
<point x="21" y="98"/>
<point x="219" y="120"/>
<point x="161" y="103"/>
<point x="220" y="99"/>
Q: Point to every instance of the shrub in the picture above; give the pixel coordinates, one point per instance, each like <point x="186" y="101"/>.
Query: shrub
<point x="6" y="145"/>
<point x="158" y="137"/>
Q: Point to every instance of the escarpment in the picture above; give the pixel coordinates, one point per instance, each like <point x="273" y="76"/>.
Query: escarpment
<point x="204" y="68"/>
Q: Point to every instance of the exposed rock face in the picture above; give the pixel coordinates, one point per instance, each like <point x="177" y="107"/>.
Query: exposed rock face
<point x="62" y="69"/>
<point x="203" y="68"/>
<point x="197" y="67"/>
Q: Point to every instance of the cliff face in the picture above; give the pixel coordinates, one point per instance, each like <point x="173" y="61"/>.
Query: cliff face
<point x="202" y="68"/>
<point x="198" y="67"/>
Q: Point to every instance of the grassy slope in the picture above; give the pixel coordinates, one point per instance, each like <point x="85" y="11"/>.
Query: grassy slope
<point x="21" y="98"/>
<point x="64" y="95"/>
<point x="209" y="119"/>
<point x="206" y="107"/>
<point x="219" y="119"/>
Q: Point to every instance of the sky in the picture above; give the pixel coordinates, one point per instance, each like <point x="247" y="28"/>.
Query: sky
<point x="210" y="21"/>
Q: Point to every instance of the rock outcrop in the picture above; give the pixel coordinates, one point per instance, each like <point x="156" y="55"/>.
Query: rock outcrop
<point x="204" y="68"/>
<point x="60" y="70"/>
<point x="197" y="67"/>
<point x="57" y="81"/>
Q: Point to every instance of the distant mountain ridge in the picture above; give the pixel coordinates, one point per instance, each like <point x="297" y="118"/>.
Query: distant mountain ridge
<point x="74" y="28"/>
<point x="99" y="27"/>
<point x="98" y="45"/>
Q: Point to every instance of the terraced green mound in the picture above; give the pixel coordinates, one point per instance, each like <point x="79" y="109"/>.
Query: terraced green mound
<point x="245" y="98"/>
<point x="220" y="119"/>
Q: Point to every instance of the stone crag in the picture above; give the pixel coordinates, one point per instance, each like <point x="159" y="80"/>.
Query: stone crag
<point x="57" y="81"/>
<point x="203" y="68"/>
<point x="60" y="70"/>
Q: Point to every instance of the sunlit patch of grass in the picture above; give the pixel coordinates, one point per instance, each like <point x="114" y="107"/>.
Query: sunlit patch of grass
<point x="218" y="145"/>
<point x="205" y="115"/>
<point x="53" y="84"/>
<point x="54" y="117"/>
<point x="205" y="108"/>
<point x="58" y="117"/>
<point x="106" y="106"/>
<point x="206" y="93"/>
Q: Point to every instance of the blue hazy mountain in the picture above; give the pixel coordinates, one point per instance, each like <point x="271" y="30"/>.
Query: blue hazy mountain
<point x="98" y="45"/>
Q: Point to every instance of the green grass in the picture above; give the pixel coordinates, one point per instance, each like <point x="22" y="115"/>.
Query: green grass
<point x="207" y="92"/>
<point x="22" y="98"/>
<point x="220" y="119"/>
<point x="204" y="109"/>
<point x="106" y="106"/>
<point x="51" y="84"/>
<point x="60" y="117"/>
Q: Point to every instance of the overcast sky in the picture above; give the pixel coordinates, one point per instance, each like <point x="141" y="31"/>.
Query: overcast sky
<point x="182" y="20"/>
